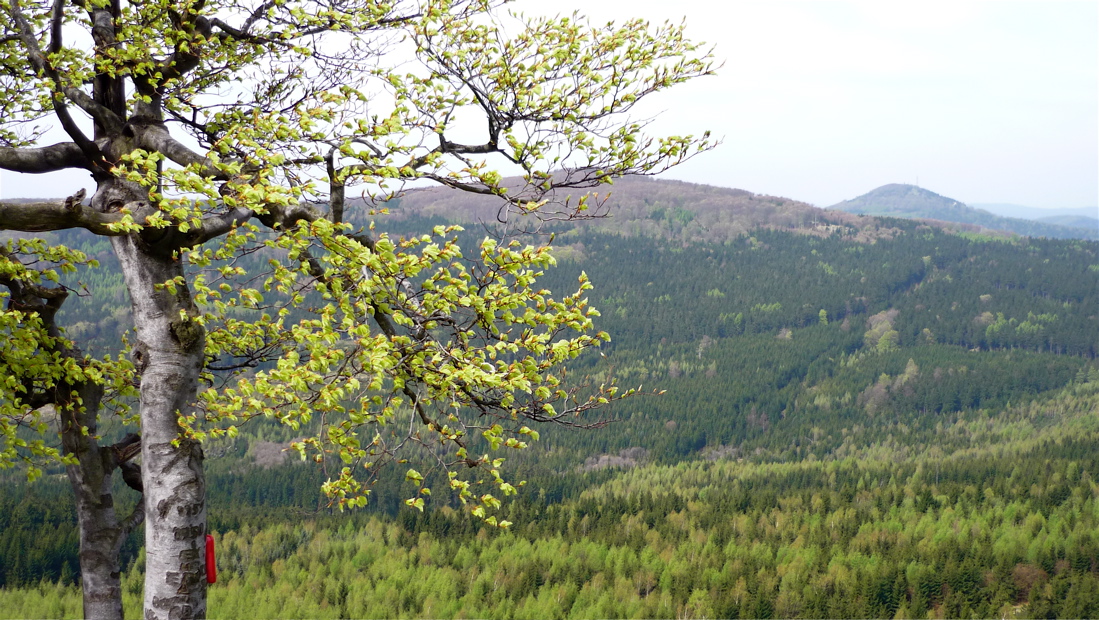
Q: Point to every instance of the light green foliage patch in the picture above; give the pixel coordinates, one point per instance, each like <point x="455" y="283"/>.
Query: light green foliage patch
<point x="34" y="359"/>
<point x="414" y="344"/>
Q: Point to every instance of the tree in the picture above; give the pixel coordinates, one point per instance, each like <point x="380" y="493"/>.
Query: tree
<point x="213" y="129"/>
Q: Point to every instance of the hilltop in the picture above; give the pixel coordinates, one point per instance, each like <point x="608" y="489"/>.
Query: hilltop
<point x="912" y="202"/>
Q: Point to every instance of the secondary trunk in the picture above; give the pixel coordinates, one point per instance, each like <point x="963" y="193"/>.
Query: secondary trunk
<point x="168" y="354"/>
<point x="101" y="533"/>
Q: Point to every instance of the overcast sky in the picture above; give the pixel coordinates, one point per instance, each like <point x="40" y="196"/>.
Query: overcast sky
<point x="822" y="101"/>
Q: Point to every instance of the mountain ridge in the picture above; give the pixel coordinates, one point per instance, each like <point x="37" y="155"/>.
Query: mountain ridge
<point x="671" y="210"/>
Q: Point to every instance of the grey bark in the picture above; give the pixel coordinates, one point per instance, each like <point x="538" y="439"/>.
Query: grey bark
<point x="101" y="531"/>
<point x="43" y="216"/>
<point x="43" y="159"/>
<point x="172" y="472"/>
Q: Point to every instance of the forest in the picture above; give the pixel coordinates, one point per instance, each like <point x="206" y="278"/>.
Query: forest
<point x="903" y="424"/>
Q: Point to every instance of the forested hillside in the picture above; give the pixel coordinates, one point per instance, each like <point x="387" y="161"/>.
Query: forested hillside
<point x="862" y="417"/>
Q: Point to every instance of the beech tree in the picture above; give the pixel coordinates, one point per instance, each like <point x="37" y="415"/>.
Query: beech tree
<point x="211" y="129"/>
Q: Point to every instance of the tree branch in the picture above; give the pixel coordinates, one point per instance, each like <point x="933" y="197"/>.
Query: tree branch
<point x="213" y="226"/>
<point x="57" y="215"/>
<point x="182" y="59"/>
<point x="108" y="120"/>
<point x="42" y="64"/>
<point x="57" y="19"/>
<point x="44" y="159"/>
<point x="126" y="449"/>
<point x="135" y="519"/>
<point x="243" y="33"/>
<point x="467" y="149"/>
<point x="108" y="104"/>
<point x="30" y="297"/>
<point x="155" y="137"/>
<point x="465" y="187"/>
<point x="282" y="218"/>
<point x="336" y="188"/>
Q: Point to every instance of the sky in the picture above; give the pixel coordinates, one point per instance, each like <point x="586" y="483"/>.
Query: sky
<point x="822" y="101"/>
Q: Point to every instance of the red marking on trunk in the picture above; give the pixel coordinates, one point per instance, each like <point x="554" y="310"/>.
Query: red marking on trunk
<point x="211" y="565"/>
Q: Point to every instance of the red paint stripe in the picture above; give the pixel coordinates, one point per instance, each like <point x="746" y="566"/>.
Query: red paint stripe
<point x="211" y="565"/>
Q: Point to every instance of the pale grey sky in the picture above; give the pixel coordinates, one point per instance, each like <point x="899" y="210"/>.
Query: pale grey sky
<point x="824" y="100"/>
<point x="820" y="100"/>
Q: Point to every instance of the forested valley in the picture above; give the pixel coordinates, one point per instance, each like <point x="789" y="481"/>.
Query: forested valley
<point x="888" y="419"/>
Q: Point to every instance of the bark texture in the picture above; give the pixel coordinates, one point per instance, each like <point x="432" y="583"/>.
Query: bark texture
<point x="101" y="532"/>
<point x="170" y="348"/>
<point x="44" y="216"/>
<point x="173" y="480"/>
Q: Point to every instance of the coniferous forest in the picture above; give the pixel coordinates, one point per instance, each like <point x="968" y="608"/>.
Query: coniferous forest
<point x="886" y="420"/>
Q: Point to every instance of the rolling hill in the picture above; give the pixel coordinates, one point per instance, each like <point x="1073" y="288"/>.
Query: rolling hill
<point x="670" y="210"/>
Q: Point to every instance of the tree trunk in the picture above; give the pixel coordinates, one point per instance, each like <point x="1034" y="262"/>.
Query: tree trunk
<point x="101" y="534"/>
<point x="169" y="354"/>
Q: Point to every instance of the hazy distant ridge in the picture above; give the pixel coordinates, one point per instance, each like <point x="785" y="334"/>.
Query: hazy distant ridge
<point x="1034" y="213"/>
<point x="909" y="201"/>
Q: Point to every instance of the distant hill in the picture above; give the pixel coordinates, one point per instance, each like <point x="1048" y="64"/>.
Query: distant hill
<point x="909" y="201"/>
<point x="670" y="210"/>
<point x="1034" y="213"/>
<point x="1072" y="221"/>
